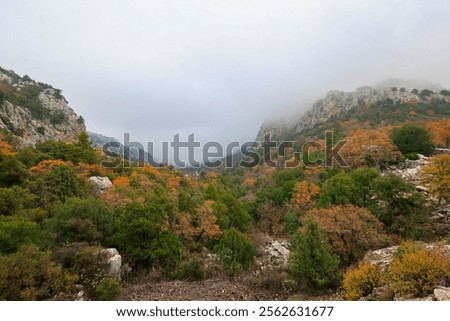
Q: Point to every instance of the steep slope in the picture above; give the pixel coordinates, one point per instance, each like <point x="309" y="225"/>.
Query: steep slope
<point x="385" y="101"/>
<point x="34" y="112"/>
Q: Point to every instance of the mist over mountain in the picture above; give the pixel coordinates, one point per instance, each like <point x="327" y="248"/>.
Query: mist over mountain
<point x="285" y="125"/>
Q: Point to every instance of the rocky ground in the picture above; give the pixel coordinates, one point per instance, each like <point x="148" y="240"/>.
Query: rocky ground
<point x="208" y="290"/>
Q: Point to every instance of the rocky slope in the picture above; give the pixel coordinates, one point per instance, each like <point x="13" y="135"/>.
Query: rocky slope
<point x="338" y="102"/>
<point x="34" y="112"/>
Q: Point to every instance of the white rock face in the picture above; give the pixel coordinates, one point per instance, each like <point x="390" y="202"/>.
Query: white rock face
<point x="101" y="183"/>
<point x="334" y="103"/>
<point x="28" y="129"/>
<point x="115" y="263"/>
<point x="382" y="257"/>
<point x="278" y="252"/>
<point x="442" y="293"/>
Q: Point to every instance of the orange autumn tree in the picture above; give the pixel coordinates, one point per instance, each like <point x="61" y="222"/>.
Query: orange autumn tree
<point x="173" y="184"/>
<point x="200" y="227"/>
<point x="351" y="230"/>
<point x="121" y="181"/>
<point x="88" y="170"/>
<point x="369" y="147"/>
<point x="302" y="200"/>
<point x="46" y="166"/>
<point x="149" y="169"/>
<point x="5" y="147"/>
<point x="303" y="196"/>
<point x="436" y="176"/>
<point x="440" y="132"/>
<point x="248" y="182"/>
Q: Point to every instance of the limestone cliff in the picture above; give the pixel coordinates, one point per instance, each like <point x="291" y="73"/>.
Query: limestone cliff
<point x="34" y="112"/>
<point x="338" y="102"/>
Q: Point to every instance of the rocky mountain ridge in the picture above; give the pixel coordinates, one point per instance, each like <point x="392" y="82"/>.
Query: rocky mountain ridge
<point x="339" y="102"/>
<point x="33" y="112"/>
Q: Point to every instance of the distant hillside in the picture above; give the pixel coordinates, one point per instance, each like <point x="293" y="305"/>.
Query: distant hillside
<point x="381" y="105"/>
<point x="131" y="154"/>
<point x="34" y="111"/>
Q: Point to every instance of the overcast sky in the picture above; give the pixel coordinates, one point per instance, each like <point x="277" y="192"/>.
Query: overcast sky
<point x="216" y="68"/>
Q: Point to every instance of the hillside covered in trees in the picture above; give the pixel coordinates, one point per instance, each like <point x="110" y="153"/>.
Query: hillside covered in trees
<point x="262" y="232"/>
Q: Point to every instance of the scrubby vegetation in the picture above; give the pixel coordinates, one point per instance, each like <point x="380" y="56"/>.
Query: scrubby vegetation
<point x="415" y="271"/>
<point x="57" y="224"/>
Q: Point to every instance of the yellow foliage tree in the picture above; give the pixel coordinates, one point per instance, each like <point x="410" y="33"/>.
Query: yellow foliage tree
<point x="436" y="175"/>
<point x="440" y="132"/>
<point x="417" y="271"/>
<point x="303" y="196"/>
<point x="361" y="281"/>
<point x="369" y="146"/>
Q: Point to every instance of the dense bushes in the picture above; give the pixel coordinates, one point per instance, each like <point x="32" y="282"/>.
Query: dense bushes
<point x="108" y="289"/>
<point x="412" y="138"/>
<point x="15" y="232"/>
<point x="140" y="233"/>
<point x="192" y="270"/>
<point x="414" y="271"/>
<point x="79" y="220"/>
<point x="38" y="278"/>
<point x="235" y="251"/>
<point x="354" y="187"/>
<point x="404" y="211"/>
<point x="351" y="230"/>
<point x="91" y="265"/>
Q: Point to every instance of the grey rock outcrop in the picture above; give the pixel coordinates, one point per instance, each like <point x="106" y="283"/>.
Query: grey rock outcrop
<point x="442" y="293"/>
<point x="115" y="263"/>
<point x="100" y="183"/>
<point x="57" y="122"/>
<point x="339" y="102"/>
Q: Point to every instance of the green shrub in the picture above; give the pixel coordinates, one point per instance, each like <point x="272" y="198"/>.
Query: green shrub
<point x="108" y="289"/>
<point x="235" y="251"/>
<point x="15" y="232"/>
<point x="413" y="138"/>
<point x="404" y="211"/>
<point x="57" y="117"/>
<point x="80" y="220"/>
<point x="63" y="183"/>
<point x="312" y="263"/>
<point x="14" y="199"/>
<point x="29" y="274"/>
<point x="2" y="97"/>
<point x="139" y="233"/>
<point x="192" y="270"/>
<point x="411" y="156"/>
<point x="90" y="263"/>
<point x="360" y="281"/>
<point x="12" y="172"/>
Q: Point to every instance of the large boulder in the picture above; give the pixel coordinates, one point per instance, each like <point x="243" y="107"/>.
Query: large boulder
<point x="115" y="262"/>
<point x="278" y="252"/>
<point x="100" y="183"/>
<point x="442" y="293"/>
